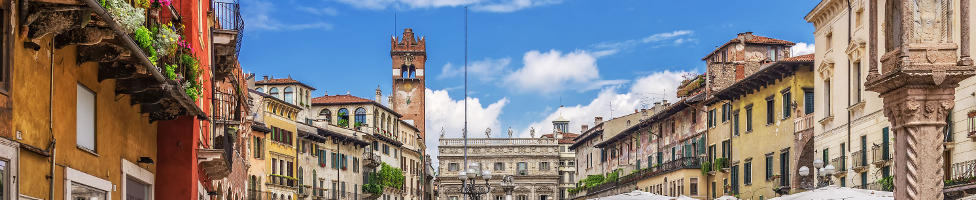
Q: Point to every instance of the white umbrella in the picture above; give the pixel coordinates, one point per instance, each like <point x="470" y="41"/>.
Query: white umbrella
<point x="683" y="197"/>
<point x="726" y="197"/>
<point x="837" y="193"/>
<point x="636" y="195"/>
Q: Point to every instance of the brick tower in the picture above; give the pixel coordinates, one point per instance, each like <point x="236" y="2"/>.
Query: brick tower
<point x="409" y="57"/>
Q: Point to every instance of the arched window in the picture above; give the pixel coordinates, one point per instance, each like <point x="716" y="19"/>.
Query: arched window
<point x="260" y="89"/>
<point x="273" y="92"/>
<point x="342" y="118"/>
<point x="413" y="72"/>
<point x="382" y="122"/>
<point x="360" y="117"/>
<point x="289" y="94"/>
<point x="326" y="115"/>
<point x="376" y="120"/>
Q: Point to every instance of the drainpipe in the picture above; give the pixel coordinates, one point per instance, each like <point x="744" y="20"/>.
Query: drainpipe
<point x="849" y="81"/>
<point x="51" y="119"/>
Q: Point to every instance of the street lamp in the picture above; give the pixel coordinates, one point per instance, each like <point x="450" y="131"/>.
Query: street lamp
<point x="471" y="188"/>
<point x="819" y="170"/>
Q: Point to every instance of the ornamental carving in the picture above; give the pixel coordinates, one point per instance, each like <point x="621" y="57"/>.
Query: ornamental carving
<point x="826" y="68"/>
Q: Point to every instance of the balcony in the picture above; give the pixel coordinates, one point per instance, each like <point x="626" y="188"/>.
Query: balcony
<point x="879" y="157"/>
<point x="227" y="108"/>
<point x="227" y="35"/>
<point x="216" y="162"/>
<point x="840" y="165"/>
<point x="803" y="123"/>
<point x="370" y="158"/>
<point x="678" y="164"/>
<point x="283" y="181"/>
<point x="860" y="162"/>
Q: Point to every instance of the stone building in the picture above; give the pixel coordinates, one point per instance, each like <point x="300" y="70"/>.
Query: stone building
<point x="742" y="56"/>
<point x="852" y="133"/>
<point x="532" y="162"/>
<point x="567" y="158"/>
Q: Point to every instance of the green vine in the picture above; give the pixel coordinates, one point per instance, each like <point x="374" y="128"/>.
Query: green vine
<point x="145" y="40"/>
<point x="388" y="176"/>
<point x="171" y="71"/>
<point x="887" y="183"/>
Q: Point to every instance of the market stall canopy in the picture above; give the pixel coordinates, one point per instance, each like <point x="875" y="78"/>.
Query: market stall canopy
<point x="637" y="195"/>
<point x="837" y="193"/>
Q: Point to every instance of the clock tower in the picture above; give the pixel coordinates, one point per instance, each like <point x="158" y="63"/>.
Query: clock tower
<point x="409" y="56"/>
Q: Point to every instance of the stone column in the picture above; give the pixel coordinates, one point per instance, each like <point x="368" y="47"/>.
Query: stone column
<point x="920" y="69"/>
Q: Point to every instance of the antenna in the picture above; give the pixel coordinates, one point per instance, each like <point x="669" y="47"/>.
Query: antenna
<point x="465" y="87"/>
<point x="395" y="9"/>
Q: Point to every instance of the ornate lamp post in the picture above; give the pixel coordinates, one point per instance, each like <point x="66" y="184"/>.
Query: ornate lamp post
<point x="920" y="68"/>
<point x="469" y="179"/>
<point x="820" y="171"/>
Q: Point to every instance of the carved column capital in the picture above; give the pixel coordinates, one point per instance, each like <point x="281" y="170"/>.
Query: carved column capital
<point x="917" y="114"/>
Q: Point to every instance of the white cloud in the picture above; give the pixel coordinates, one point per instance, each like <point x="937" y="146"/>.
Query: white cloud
<point x="258" y="16"/>
<point x="447" y="113"/>
<point x="485" y="70"/>
<point x="677" y="37"/>
<point x="801" y="49"/>
<point x="643" y="92"/>
<point x="476" y="5"/>
<point x="329" y="11"/>
<point x="553" y="71"/>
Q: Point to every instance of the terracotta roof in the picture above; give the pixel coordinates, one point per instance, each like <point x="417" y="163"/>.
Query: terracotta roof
<point x="808" y="57"/>
<point x="339" y="99"/>
<point x="751" y="39"/>
<point x="281" y="81"/>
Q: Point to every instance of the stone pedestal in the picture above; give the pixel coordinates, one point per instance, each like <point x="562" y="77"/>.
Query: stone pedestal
<point x="920" y="68"/>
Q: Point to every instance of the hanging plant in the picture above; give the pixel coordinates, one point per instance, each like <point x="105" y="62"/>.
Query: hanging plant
<point x="145" y="40"/>
<point x="171" y="71"/>
<point x="166" y="38"/>
<point x="130" y="18"/>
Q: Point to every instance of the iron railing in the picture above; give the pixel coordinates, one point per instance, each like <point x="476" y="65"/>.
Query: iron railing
<point x="963" y="171"/>
<point x="228" y="16"/>
<point x="879" y="156"/>
<point x="840" y="163"/>
<point x="860" y="159"/>
<point x="677" y="164"/>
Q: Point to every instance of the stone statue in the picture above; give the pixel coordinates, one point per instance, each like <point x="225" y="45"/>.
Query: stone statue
<point x="442" y="132"/>
<point x="532" y="132"/>
<point x="487" y="132"/>
<point x="509" y="132"/>
<point x="508" y="180"/>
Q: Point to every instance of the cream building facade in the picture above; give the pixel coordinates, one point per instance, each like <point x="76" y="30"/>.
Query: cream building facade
<point x="531" y="161"/>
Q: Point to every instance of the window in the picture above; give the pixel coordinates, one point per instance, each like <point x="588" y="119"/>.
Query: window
<point x="386" y="149"/>
<point x="749" y="118"/>
<point x="520" y="197"/>
<point x="735" y="179"/>
<point x="453" y="198"/>
<point x="857" y="78"/>
<point x="808" y="104"/>
<point x="726" y="112"/>
<point x="85" y="186"/>
<point x="138" y="182"/>
<point x="784" y="168"/>
<point x="747" y="173"/>
<point x="289" y="94"/>
<point x="787" y="103"/>
<point x="735" y="122"/>
<point x="769" y="166"/>
<point x="499" y="166"/>
<point x="281" y="135"/>
<point x="885" y="144"/>
<point x="85" y="118"/>
<point x="771" y="52"/>
<point x="544" y="166"/>
<point x="452" y="167"/>
<point x="711" y="118"/>
<point x="376" y="146"/>
<point x="360" y="117"/>
<point x="355" y="164"/>
<point x="258" y="147"/>
<point x="326" y="115"/>
<point x="273" y="92"/>
<point x="726" y="149"/>
<point x="693" y="186"/>
<point x="827" y="98"/>
<point x="523" y="168"/>
<point x="770" y="110"/>
<point x="260" y="89"/>
<point x="343" y="118"/>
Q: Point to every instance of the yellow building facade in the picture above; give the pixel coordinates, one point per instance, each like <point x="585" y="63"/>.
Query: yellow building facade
<point x="762" y="110"/>
<point x="281" y="157"/>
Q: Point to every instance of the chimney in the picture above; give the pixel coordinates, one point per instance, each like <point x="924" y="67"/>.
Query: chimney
<point x="583" y="128"/>
<point x="665" y="102"/>
<point x="379" y="95"/>
<point x="597" y="120"/>
<point x="325" y="93"/>
<point x="265" y="77"/>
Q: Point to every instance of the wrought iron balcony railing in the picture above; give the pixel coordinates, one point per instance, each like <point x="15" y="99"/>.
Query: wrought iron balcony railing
<point x="860" y="161"/>
<point x="879" y="157"/>
<point x="228" y="16"/>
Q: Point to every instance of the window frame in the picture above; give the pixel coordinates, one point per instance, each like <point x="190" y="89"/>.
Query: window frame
<point x="787" y="95"/>
<point x="130" y="169"/>
<point x="770" y="110"/>
<point x="72" y="175"/>
<point x="94" y="119"/>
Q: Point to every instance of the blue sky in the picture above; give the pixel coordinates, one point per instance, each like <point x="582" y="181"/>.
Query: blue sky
<point x="526" y="57"/>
